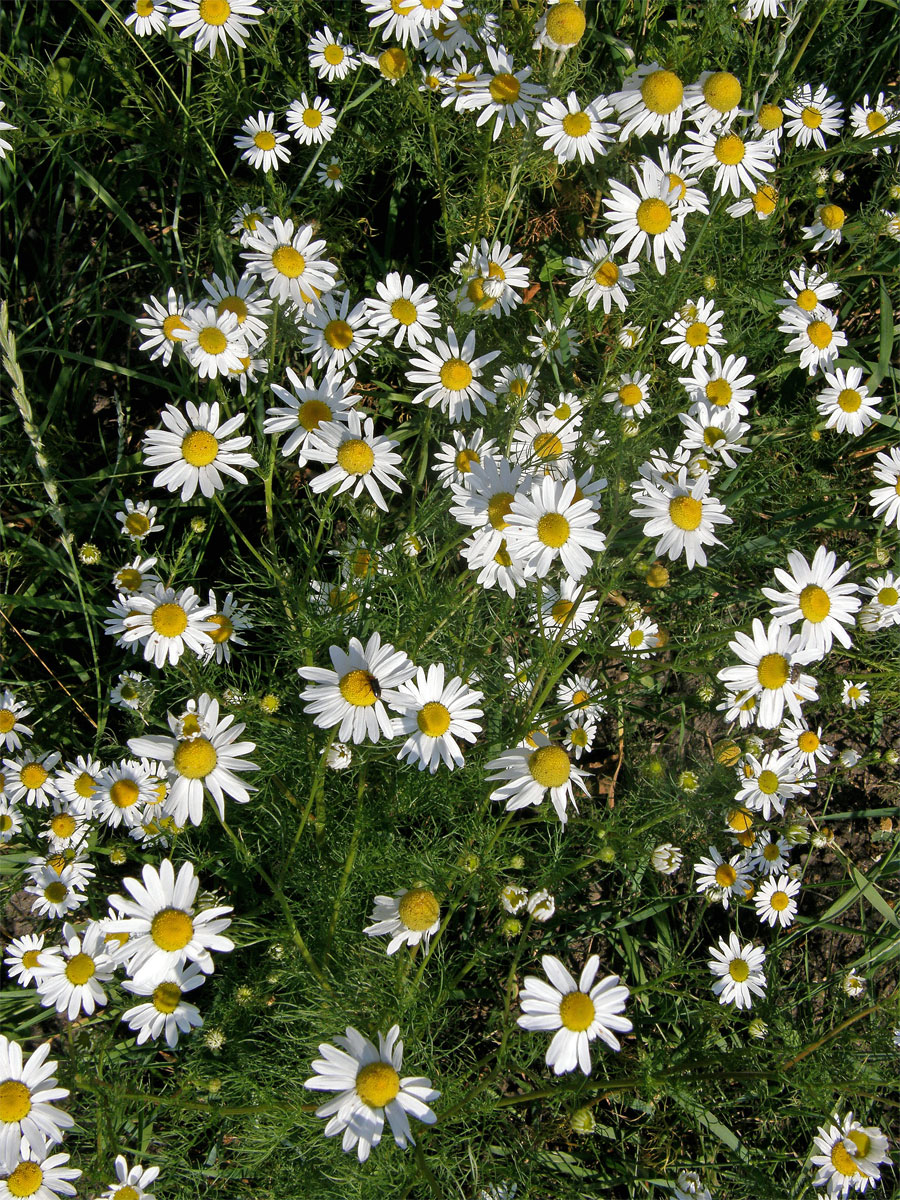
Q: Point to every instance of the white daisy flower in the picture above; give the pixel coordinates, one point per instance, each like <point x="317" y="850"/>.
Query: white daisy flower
<point x="682" y="513"/>
<point x="652" y="101"/>
<point x="355" y="692"/>
<point x="817" y="338"/>
<point x="334" y="337"/>
<point x="331" y="174"/>
<point x="339" y="756"/>
<point x="638" y="638"/>
<point x="330" y="57"/>
<point x="166" y="623"/>
<point x="721" y="879"/>
<point x="647" y="221"/>
<point x="247" y="219"/>
<point x="136" y="576"/>
<point x="502" y="92"/>
<point x="695" y="326"/>
<point x="578" y="697"/>
<point x="27" y="1087"/>
<point x="762" y="202"/>
<point x="434" y="715"/>
<point x="163" y="327"/>
<point x="815" y="595"/>
<point x="229" y="622"/>
<point x="411" y="916"/>
<point x="666" y="858"/>
<point x="10" y="821"/>
<point x="850" y="1155"/>
<point x="71" y="981"/>
<point x="148" y="17"/>
<point x="214" y="22"/>
<point x="248" y="303"/>
<point x="541" y="906"/>
<point x="518" y="384"/>
<point x="459" y="80"/>
<point x="357" y="459"/>
<point x="714" y="100"/>
<point x="827" y="229"/>
<point x="569" y="131"/>
<point x="769" y="853"/>
<point x="559" y="340"/>
<point x="771" y="659"/>
<point x="545" y="446"/>
<point x="166" y="1013"/>
<point x="393" y="63"/>
<point x="846" y="402"/>
<point x="720" y="384"/>
<point x="130" y="1182"/>
<point x="397" y="21"/>
<point x="751" y="10"/>
<point x="767" y="782"/>
<point x="29" y="779"/>
<point x="453" y="461"/>
<point x="513" y="898"/>
<point x="883" y="610"/>
<point x="854" y="695"/>
<point x="312" y="122"/>
<point x="630" y="336"/>
<point x="56" y="893"/>
<point x="598" y="278"/>
<point x="579" y="1012"/>
<point x="528" y="772"/>
<point x="813" y="115"/>
<point x="451" y="373"/>
<point x="689" y="1185"/>
<point x="873" y="120"/>
<point x="768" y="122"/>
<point x="738" y="970"/>
<point x="775" y="901"/>
<point x="306" y="408"/>
<point x="11" y="723"/>
<point x="886" y="500"/>
<point x="122" y="791"/>
<point x="289" y="262"/>
<point x="403" y="310"/>
<point x="804" y="745"/>
<point x="490" y="556"/>
<point x="629" y="399"/>
<point x="37" y="1175"/>
<point x="565" y="613"/>
<point x="22" y="959"/>
<point x="139" y="520"/>
<point x="579" y="737"/>
<point x="493" y="278"/>
<point x="714" y="431"/>
<point x="668" y="168"/>
<point x="263" y="146"/>
<point x="370" y="1087"/>
<point x="551" y="524"/>
<point x="133" y="689"/>
<point x="165" y="929"/>
<point x="807" y="290"/>
<point x="197" y="450"/>
<point x="561" y="27"/>
<point x="213" y="343"/>
<point x="740" y="164"/>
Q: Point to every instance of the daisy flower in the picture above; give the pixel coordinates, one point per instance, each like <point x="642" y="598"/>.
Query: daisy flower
<point x="122" y="790"/>
<point x="579" y="737"/>
<point x="196" y="450"/>
<point x="263" y="147"/>
<point x="330" y="174"/>
<point x="630" y="398"/>
<point x="148" y="17"/>
<point x="683" y="514"/>
<point x="132" y="691"/>
<point x="561" y="27"/>
<point x="696" y="326"/>
<point x="71" y="981"/>
<point x="652" y="101"/>
<point x="403" y="310"/>
<point x="598" y="278"/>
<point x="551" y="524"/>
<point x="57" y="893"/>
<point x="545" y="446"/>
<point x="714" y="99"/>
<point x="815" y="337"/>
<point x="807" y="290"/>
<point x="10" y="821"/>
<point x="136" y="576"/>
<point x="815" y="595"/>
<point x="518" y="384"/>
<point x="458" y="81"/>
<point x="451" y="374"/>
<point x="392" y="64"/>
<point x="165" y="930"/>
<point x="775" y="901"/>
<point x="130" y="1182"/>
<point x="566" y="612"/>
<point x="874" y="120"/>
<point x="771" y="781"/>
<point x="738" y="970"/>
<point x="29" y="779"/>
<point x="368" y="1080"/>
<point x="496" y="566"/>
<point x="846" y="402"/>
<point x="528" y="772"/>
<point x="66" y="828"/>
<point x="578" y="697"/>
<point x="720" y="384"/>
<point x="493" y="278"/>
<point x="397" y="21"/>
<point x="827" y="229"/>
<point x="355" y="692"/>
<point x="850" y="1155"/>
<point x="229" y="622"/>
<point x="22" y="959"/>
<point x="752" y="10"/>
<point x="558" y="339"/>
<point x="213" y="343"/>
<point x="139" y="520"/>
<point x="714" y="433"/>
<point x="762" y="202"/>
<point x="666" y="858"/>
<point x="569" y="131"/>
<point x="769" y="852"/>
<point x="541" y="906"/>
<point x="804" y="745"/>
<point x="434" y="715"/>
<point x="289" y="262"/>
<point x="579" y="1012"/>
<point x="357" y="459"/>
<point x="306" y="408"/>
<point x="11" y="723"/>
<point x="722" y="879"/>
<point x="883" y="610"/>
<point x="854" y="695"/>
<point x="330" y="57"/>
<point x="163" y="327"/>
<point x="312" y="122"/>
<point x="740" y="165"/>
<point x="166" y="1012"/>
<point x="247" y="220"/>
<point x="811" y="116"/>
<point x="411" y="916"/>
<point x="771" y="659"/>
<point x="688" y="1185"/>
<point x="647" y="221"/>
<point x="34" y="1174"/>
<point x="167" y="623"/>
<point x="886" y="500"/>
<point x="638" y="638"/>
<point x="201" y="762"/>
<point x="214" y="22"/>
<point x="513" y="898"/>
<point x="669" y="168"/>
<point x="502" y="92"/>
<point x="27" y="1088"/>
<point x="334" y="337"/>
<point x="453" y="461"/>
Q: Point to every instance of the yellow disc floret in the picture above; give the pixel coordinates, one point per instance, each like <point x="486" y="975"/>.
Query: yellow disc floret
<point x="832" y="216"/>
<point x="124" y="793"/>
<point x="403" y="310"/>
<point x="565" y="23"/>
<point x="356" y="456"/>
<point x="80" y="968"/>
<point x="814" y="603"/>
<point x="166" y="997"/>
<point x="33" y="776"/>
<point x="377" y="1084"/>
<point x="171" y="929"/>
<point x="662" y="92"/>
<point x="196" y="758"/>
<point x="654" y="216"/>
<point x="685" y="512"/>
<point x="576" y="1011"/>
<point x="356" y="688"/>
<point x="214" y="12"/>
<point x="549" y="766"/>
<point x="576" y="124"/>
<point x="288" y="262"/>
<point x="433" y="719"/>
<point x="738" y="970"/>
<point x="504" y="88"/>
<point x="169" y="620"/>
<point x="25" y="1179"/>
<point x="722" y="91"/>
<point x="199" y="448"/>
<point x="820" y="334"/>
<point x="553" y="529"/>
<point x="773" y="671"/>
<point x="418" y="909"/>
<point x="15" y="1101"/>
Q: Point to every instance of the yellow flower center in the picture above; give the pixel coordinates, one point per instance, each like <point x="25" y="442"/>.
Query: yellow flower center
<point x="224" y="628"/>
<point x="875" y="121"/>
<point x="80" y="968"/>
<point x="767" y="783"/>
<point x="685" y="512"/>
<point x="433" y="719"/>
<point x="504" y="88"/>
<point x="288" y="262"/>
<point x="57" y="862"/>
<point x="498" y="509"/>
<point x="377" y="1084"/>
<point x="126" y="1193"/>
<point x="264" y="140"/>
<point x="312" y="118"/>
<point x="808" y="741"/>
<point x="675" y="181"/>
<point x="172" y="929"/>
<point x="333" y="55"/>
<point x="519" y="387"/>
<point x="811" y="117"/>
<point x="212" y="340"/>
<point x="832" y="216"/>
<point x="697" y="334"/>
<point x="814" y="603"/>
<point x="503" y="558"/>
<point x="214" y="12"/>
<point x="712" y="435"/>
<point x="662" y="92"/>
<point x="15" y="1101"/>
<point x="6" y="822"/>
<point x="312" y="413"/>
<point x="725" y="875"/>
<point x="30" y="960"/>
<point x="333" y="170"/>
<point x="729" y="149"/>
<point x="773" y="671"/>
<point x="771" y="853"/>
<point x="124" y="793"/>
<point x="579" y="736"/>
<point x="636" y="638"/>
<point x="565" y="23"/>
<point x="356" y="688"/>
<point x="338" y="335"/>
<point x="169" y="620"/>
<point x="355" y="456"/>
<point x="576" y="124"/>
<point x="580" y="699"/>
<point x="576" y="1011"/>
<point x="765" y="199"/>
<point x="129" y="579"/>
<point x="33" y="776"/>
<point x="547" y="446"/>
<point x="844" y="1163"/>
<point x="549" y="766"/>
<point x="739" y="820"/>
<point x="137" y="524"/>
<point x="553" y="529"/>
<point x="404" y="311"/>
<point x="770" y="117"/>
<point x="394" y="63"/>
<point x="722" y="91"/>
<point x="196" y="758"/>
<point x="779" y="901"/>
<point x="7" y="720"/>
<point x="718" y="392"/>
<point x="199" y="448"/>
<point x="849" y="400"/>
<point x="820" y="334"/>
<point x="630" y="395"/>
<point x="464" y="460"/>
<point x="362" y="563"/>
<point x="455" y="375"/>
<point x="166" y="998"/>
<point x="654" y="216"/>
<point x="418" y="909"/>
<point x="888" y="596"/>
<point x="738" y="970"/>
<point x="807" y="299"/>
<point x="861" y="1141"/>
<point x="144" y="8"/>
<point x="607" y="274"/>
<point x="561" y="611"/>
<point x="25" y="1179"/>
<point x="172" y="322"/>
<point x="56" y="892"/>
